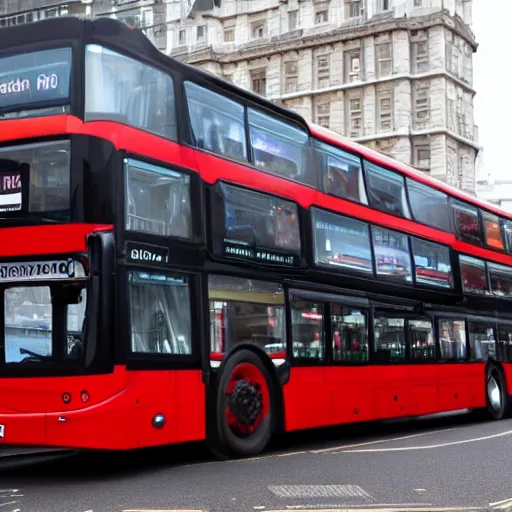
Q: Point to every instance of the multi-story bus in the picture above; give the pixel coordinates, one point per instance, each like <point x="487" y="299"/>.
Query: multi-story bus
<point x="182" y="260"/>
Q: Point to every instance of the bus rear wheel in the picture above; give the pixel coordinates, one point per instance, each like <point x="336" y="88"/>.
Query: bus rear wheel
<point x="245" y="405"/>
<point x="498" y="401"/>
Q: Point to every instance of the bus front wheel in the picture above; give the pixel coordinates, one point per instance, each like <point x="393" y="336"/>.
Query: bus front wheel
<point x="498" y="401"/>
<point x="245" y="405"/>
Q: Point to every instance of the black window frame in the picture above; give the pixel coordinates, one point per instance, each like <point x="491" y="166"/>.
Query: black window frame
<point x="451" y="223"/>
<point x="176" y="80"/>
<point x="241" y="277"/>
<point x="304" y="295"/>
<point x="156" y="361"/>
<point x="39" y="108"/>
<point x="492" y="323"/>
<point x="58" y="365"/>
<point x="383" y="277"/>
<point x="451" y="317"/>
<point x="347" y="302"/>
<point x="483" y="213"/>
<point x="405" y="206"/>
<point x="453" y="205"/>
<point x="216" y="243"/>
<point x="451" y="257"/>
<point x="487" y="292"/>
<point x="319" y="158"/>
<point x="501" y="348"/>
<point x="340" y="269"/>
<point x="180" y="250"/>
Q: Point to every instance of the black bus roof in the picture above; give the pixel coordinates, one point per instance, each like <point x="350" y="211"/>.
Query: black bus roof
<point x="116" y="35"/>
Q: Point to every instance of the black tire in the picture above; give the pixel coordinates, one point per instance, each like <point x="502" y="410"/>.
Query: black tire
<point x="230" y="443"/>
<point x="496" y="394"/>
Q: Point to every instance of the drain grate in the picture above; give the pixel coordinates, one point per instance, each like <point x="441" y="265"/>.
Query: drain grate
<point x="319" y="491"/>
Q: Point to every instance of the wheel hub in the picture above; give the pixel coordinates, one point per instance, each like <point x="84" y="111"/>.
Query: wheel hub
<point x="493" y="390"/>
<point x="246" y="402"/>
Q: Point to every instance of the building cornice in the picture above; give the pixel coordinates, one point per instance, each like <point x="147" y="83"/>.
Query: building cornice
<point x="377" y="81"/>
<point x="418" y="133"/>
<point x="299" y="40"/>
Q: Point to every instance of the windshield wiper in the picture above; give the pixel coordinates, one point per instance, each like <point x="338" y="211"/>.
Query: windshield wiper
<point x="33" y="356"/>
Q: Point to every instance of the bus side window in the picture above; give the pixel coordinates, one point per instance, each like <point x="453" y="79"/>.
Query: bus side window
<point x="389" y="339"/>
<point x="421" y="340"/>
<point x="482" y="341"/>
<point x="452" y="339"/>
<point x="160" y="314"/>
<point x="246" y="311"/>
<point x="349" y="328"/>
<point x="217" y="122"/>
<point x="505" y="342"/>
<point x="308" y="333"/>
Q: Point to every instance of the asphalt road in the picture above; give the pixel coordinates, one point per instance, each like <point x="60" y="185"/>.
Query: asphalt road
<point x="452" y="462"/>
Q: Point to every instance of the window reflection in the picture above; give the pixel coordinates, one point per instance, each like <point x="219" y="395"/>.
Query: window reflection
<point x="392" y="257"/>
<point x="349" y="334"/>
<point x="505" y="342"/>
<point x="466" y="222"/>
<point x="389" y="335"/>
<point x="160" y="314"/>
<point x="386" y="190"/>
<point x="341" y="242"/>
<point x="49" y="166"/>
<point x="28" y="323"/>
<point x="432" y="263"/>
<point x="474" y="275"/>
<point x="482" y="341"/>
<point x="308" y="330"/>
<point x="279" y="148"/>
<point x="501" y="280"/>
<point x="158" y="200"/>
<point x="452" y="339"/>
<point x="421" y="340"/>
<point x="122" y="89"/>
<point x="217" y="122"/>
<point x="342" y="173"/>
<point x="428" y="205"/>
<point x="492" y="231"/>
<point x="246" y="311"/>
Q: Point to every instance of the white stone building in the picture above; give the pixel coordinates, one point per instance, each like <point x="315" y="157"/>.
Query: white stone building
<point x="395" y="75"/>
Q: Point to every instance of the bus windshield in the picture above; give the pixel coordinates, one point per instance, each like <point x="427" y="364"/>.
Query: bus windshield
<point x="43" y="321"/>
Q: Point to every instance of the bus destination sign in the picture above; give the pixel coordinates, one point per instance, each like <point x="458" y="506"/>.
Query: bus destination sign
<point x="10" y="191"/>
<point x="37" y="270"/>
<point x="35" y="77"/>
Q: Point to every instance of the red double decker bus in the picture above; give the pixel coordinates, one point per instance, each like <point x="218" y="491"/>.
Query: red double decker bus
<point x="182" y="260"/>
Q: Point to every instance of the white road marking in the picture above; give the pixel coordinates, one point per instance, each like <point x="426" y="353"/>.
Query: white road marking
<point x="386" y="509"/>
<point x="379" y="441"/>
<point x="163" y="510"/>
<point x="8" y="503"/>
<point x="419" y="490"/>
<point x="319" y="491"/>
<point x="431" y="446"/>
<point x="500" y="502"/>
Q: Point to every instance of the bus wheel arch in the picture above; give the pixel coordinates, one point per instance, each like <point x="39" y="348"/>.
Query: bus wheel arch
<point x="247" y="403"/>
<point x="496" y="392"/>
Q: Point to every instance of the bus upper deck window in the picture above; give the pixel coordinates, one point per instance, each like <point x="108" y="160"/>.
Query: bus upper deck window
<point x="119" y="88"/>
<point x="217" y="122"/>
<point x="279" y="147"/>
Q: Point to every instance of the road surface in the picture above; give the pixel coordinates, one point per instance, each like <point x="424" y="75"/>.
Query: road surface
<point x="455" y="462"/>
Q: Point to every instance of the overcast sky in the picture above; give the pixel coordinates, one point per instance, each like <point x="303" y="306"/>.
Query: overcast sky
<point x="492" y="22"/>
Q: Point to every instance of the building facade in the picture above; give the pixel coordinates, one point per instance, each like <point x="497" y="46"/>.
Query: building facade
<point x="146" y="15"/>
<point x="395" y="75"/>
